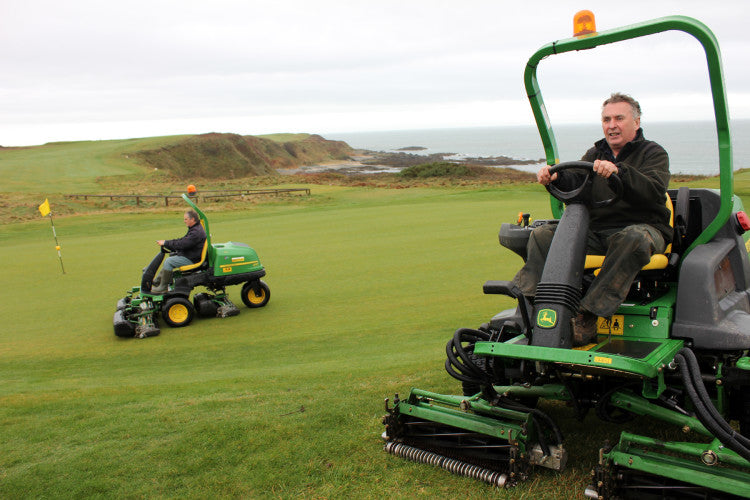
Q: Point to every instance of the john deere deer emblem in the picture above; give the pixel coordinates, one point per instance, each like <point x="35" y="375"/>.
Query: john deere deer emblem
<point x="546" y="318"/>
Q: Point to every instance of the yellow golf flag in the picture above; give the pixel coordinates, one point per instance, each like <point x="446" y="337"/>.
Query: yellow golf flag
<point x="44" y="208"/>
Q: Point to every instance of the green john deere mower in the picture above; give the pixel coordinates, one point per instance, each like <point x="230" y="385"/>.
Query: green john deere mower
<point x="221" y="265"/>
<point x="676" y="350"/>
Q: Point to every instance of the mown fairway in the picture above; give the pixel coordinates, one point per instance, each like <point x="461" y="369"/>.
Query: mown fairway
<point x="366" y="286"/>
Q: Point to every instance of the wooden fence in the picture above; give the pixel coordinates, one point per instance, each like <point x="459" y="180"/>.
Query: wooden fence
<point x="205" y="195"/>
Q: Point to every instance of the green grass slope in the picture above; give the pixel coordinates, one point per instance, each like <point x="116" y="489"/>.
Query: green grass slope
<point x="73" y="167"/>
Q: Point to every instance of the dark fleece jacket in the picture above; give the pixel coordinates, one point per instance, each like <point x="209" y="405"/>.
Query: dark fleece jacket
<point x="190" y="245"/>
<point x="644" y="170"/>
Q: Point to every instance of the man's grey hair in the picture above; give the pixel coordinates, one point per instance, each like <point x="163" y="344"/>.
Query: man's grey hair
<point x="193" y="215"/>
<point x="618" y="97"/>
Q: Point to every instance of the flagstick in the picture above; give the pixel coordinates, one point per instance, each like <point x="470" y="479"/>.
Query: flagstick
<point x="57" y="245"/>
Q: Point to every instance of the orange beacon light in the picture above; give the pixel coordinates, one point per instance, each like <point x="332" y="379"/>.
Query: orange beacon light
<point x="584" y="23"/>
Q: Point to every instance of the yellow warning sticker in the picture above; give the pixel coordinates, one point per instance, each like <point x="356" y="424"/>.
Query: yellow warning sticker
<point x="614" y="325"/>
<point x="600" y="359"/>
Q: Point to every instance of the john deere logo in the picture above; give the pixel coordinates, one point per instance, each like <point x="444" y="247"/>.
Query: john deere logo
<point x="546" y="318"/>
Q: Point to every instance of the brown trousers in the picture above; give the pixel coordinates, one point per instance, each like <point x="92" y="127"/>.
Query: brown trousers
<point x="626" y="251"/>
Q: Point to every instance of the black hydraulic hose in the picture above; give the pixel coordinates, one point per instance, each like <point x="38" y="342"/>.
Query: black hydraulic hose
<point x="470" y="336"/>
<point x="515" y="405"/>
<point x="459" y="364"/>
<point x="703" y="413"/>
<point x="601" y="407"/>
<point x="580" y="412"/>
<point x="541" y="439"/>
<point x="700" y="408"/>
<point x="701" y="389"/>
<point x="460" y="376"/>
<point x="460" y="359"/>
<point x="694" y="371"/>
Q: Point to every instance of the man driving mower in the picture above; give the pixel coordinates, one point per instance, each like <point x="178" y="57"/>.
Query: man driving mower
<point x="185" y="251"/>
<point x="628" y="232"/>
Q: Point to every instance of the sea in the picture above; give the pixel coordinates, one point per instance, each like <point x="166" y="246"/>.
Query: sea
<point x="692" y="146"/>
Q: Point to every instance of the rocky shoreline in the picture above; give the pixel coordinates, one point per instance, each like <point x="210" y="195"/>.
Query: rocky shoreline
<point x="375" y="162"/>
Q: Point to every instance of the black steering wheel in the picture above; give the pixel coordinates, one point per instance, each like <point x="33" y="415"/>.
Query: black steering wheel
<point x="581" y="193"/>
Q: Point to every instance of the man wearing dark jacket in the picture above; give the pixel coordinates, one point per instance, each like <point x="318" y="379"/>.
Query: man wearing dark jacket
<point x="185" y="251"/>
<point x="627" y="232"/>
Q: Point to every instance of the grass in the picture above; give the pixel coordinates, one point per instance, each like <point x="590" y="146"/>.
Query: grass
<point x="285" y="137"/>
<point x="366" y="288"/>
<point x="72" y="167"/>
<point x="81" y="167"/>
<point x="436" y="169"/>
<point x="367" y="285"/>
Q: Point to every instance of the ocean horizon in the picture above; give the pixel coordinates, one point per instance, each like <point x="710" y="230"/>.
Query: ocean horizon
<point x="692" y="146"/>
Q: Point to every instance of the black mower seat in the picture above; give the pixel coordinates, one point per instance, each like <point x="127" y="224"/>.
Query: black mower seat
<point x="657" y="262"/>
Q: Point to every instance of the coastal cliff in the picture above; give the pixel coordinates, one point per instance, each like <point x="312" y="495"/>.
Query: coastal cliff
<point x="231" y="156"/>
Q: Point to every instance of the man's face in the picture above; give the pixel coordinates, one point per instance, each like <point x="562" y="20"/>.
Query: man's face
<point x="618" y="125"/>
<point x="189" y="221"/>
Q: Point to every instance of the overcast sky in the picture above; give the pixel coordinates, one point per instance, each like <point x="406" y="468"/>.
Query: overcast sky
<point x="80" y="69"/>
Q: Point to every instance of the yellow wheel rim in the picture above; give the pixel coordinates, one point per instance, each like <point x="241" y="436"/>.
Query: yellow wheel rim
<point x="254" y="298"/>
<point x="178" y="313"/>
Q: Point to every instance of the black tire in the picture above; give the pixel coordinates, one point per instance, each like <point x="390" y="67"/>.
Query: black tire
<point x="177" y="312"/>
<point x="255" y="294"/>
<point x="470" y="388"/>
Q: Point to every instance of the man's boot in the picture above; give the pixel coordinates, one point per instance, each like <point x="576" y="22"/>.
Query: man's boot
<point x="584" y="328"/>
<point x="164" y="280"/>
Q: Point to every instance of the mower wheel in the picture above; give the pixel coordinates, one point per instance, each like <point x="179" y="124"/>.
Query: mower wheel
<point x="255" y="294"/>
<point x="177" y="312"/>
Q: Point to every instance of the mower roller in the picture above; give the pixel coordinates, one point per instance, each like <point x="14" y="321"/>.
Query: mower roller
<point x="675" y="351"/>
<point x="221" y="265"/>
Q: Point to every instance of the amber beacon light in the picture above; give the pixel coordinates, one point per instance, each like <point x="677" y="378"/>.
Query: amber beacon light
<point x="584" y="23"/>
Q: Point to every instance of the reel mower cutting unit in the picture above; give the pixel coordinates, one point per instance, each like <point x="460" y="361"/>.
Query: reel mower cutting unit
<point x="221" y="265"/>
<point x="675" y="351"/>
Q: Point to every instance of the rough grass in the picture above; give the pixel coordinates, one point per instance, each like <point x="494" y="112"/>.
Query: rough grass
<point x="436" y="169"/>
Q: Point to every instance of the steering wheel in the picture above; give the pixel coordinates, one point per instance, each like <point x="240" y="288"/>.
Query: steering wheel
<point x="581" y="193"/>
<point x="165" y="250"/>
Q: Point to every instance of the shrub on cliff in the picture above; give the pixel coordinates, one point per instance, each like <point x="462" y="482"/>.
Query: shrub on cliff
<point x="436" y="169"/>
